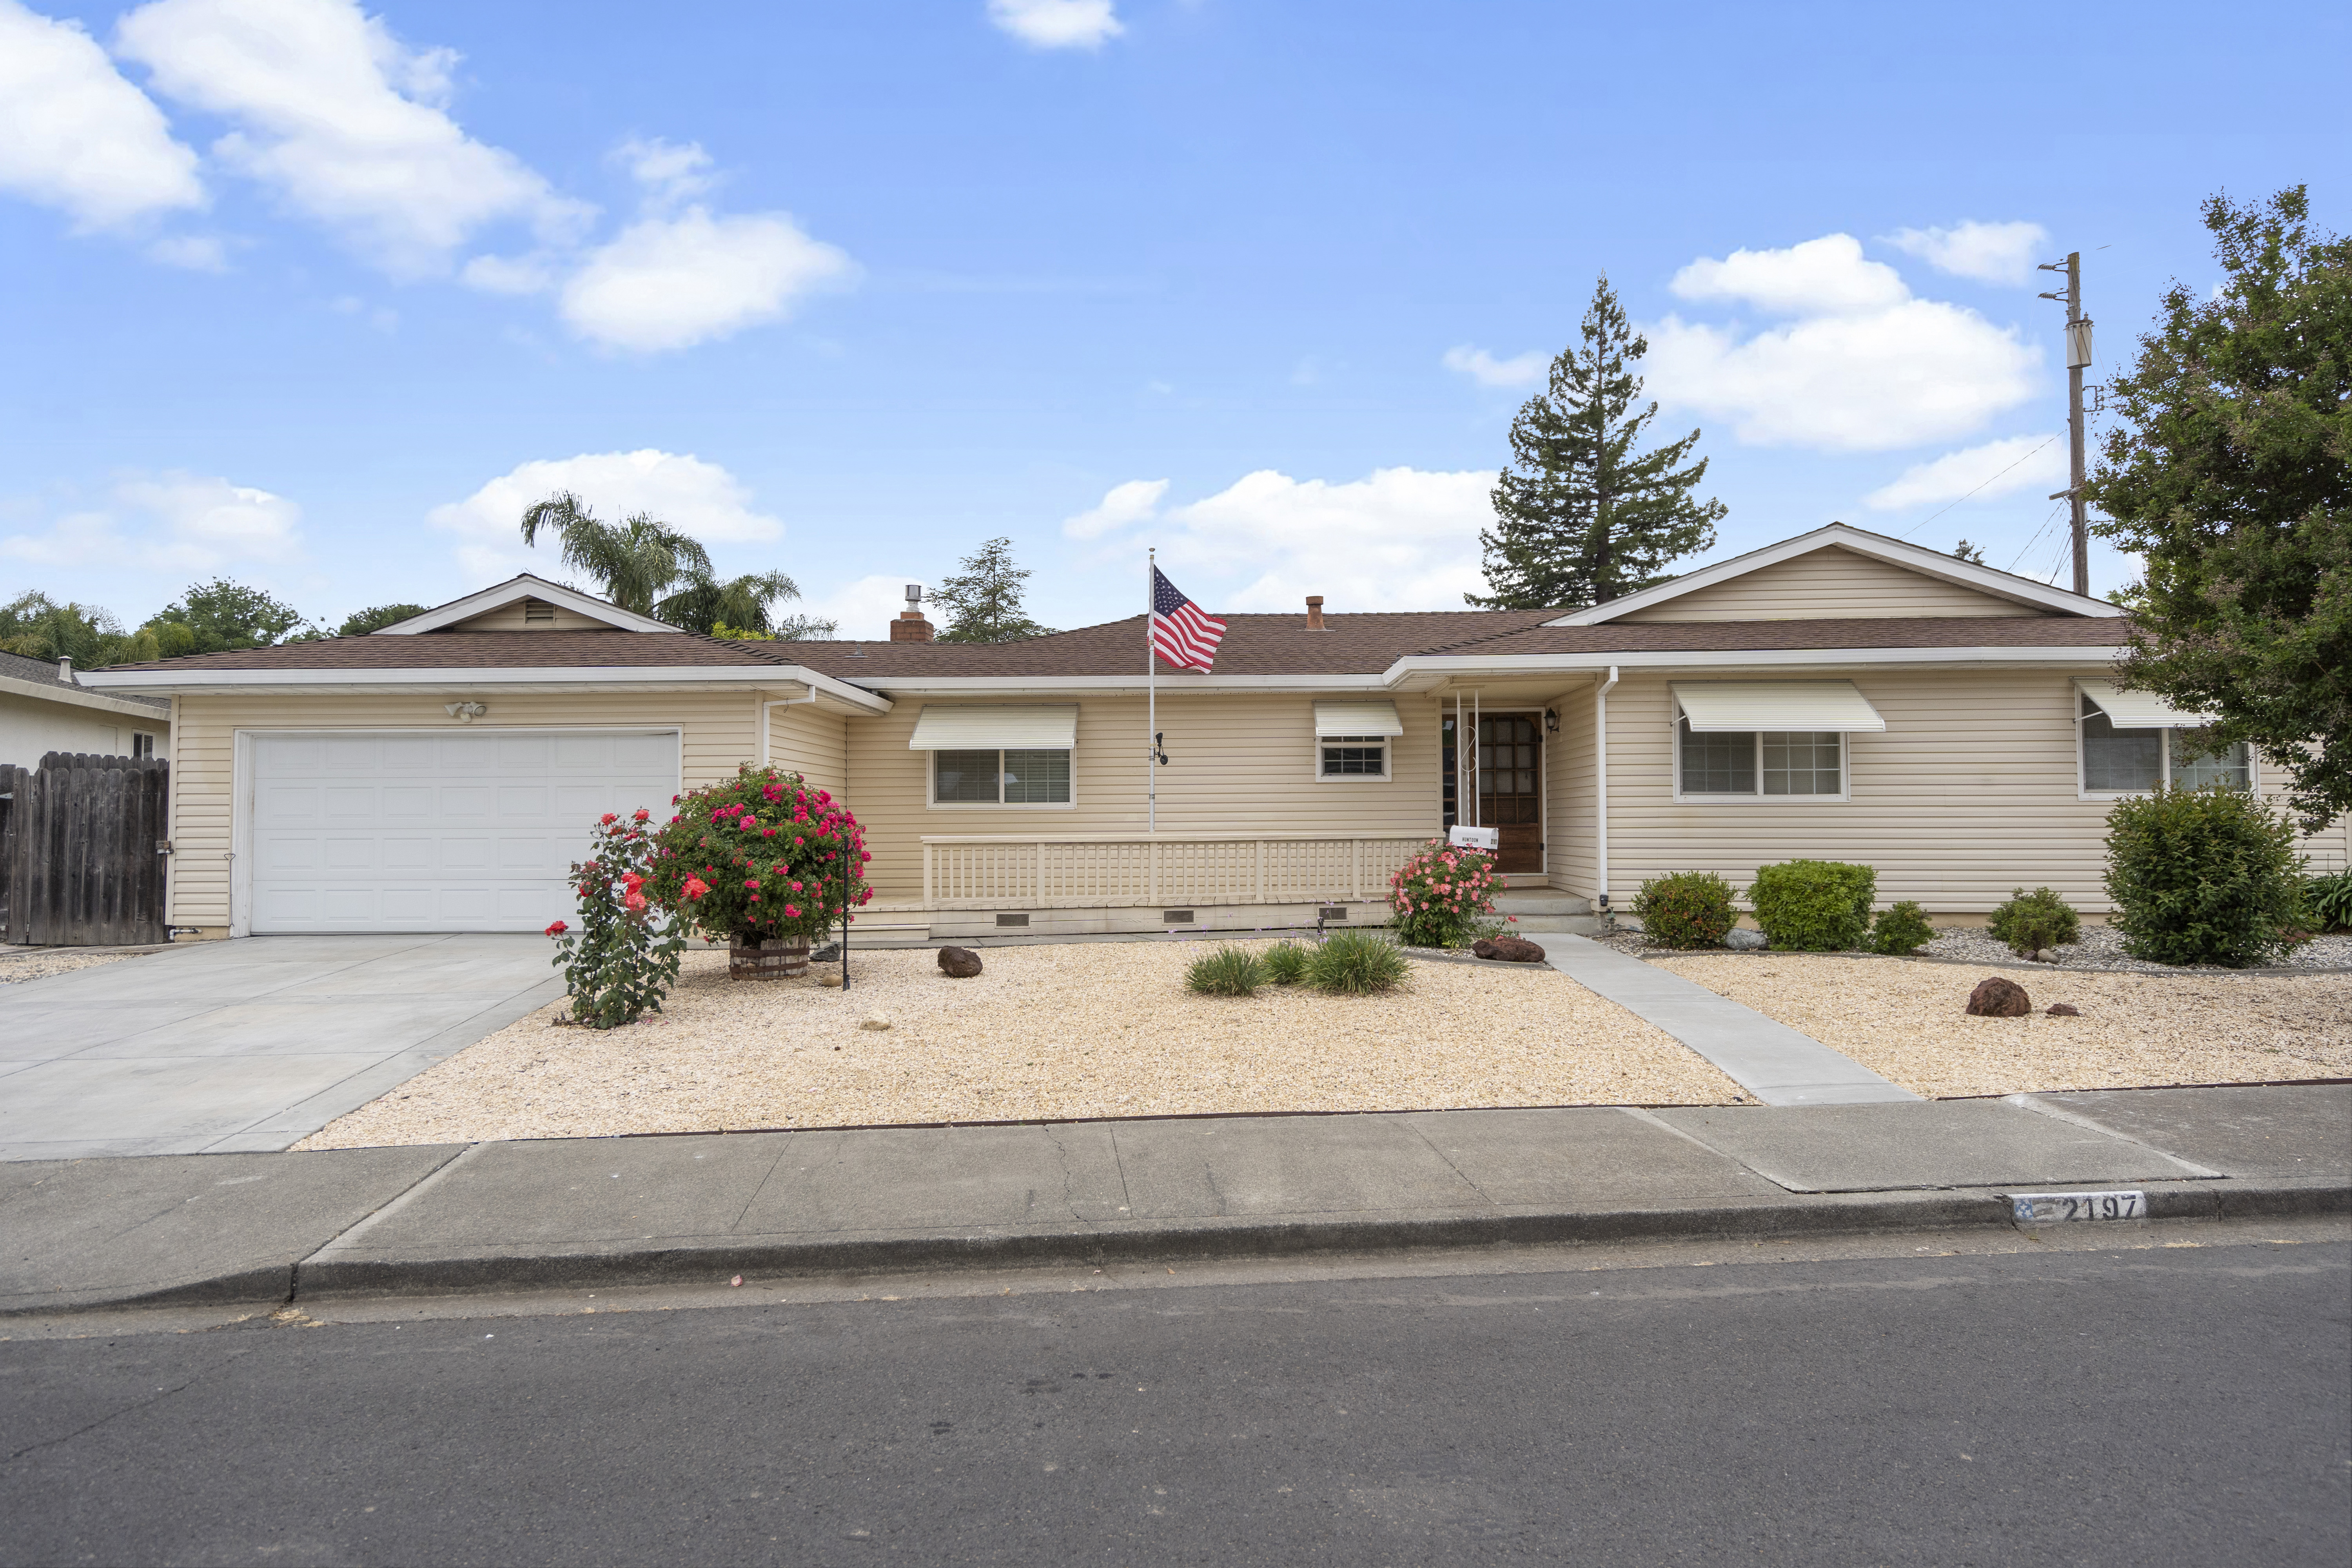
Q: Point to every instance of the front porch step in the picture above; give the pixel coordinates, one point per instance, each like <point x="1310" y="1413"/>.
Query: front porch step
<point x="1526" y="901"/>
<point x="1578" y="925"/>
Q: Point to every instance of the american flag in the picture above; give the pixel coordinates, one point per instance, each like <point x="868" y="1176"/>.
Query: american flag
<point x="1181" y="632"/>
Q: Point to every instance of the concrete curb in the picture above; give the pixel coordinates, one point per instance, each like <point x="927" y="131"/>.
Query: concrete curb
<point x="1198" y="1241"/>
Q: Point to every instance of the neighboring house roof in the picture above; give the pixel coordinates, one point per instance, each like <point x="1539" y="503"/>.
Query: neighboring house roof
<point x="524" y="586"/>
<point x="482" y="650"/>
<point x="18" y="673"/>
<point x="1878" y="546"/>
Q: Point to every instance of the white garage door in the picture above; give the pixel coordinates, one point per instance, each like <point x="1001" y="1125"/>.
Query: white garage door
<point x="402" y="831"/>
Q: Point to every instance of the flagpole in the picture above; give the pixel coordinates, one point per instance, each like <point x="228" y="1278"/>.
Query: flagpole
<point x="1151" y="694"/>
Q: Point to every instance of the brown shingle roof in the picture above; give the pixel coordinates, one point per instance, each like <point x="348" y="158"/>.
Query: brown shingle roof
<point x="484" y="650"/>
<point x="1734" y="637"/>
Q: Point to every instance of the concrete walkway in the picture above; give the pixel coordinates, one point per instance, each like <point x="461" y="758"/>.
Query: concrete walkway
<point x="705" y="1207"/>
<point x="1771" y="1061"/>
<point x="247" y="1045"/>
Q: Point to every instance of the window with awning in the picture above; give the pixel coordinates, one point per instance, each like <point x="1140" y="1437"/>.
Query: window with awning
<point x="2131" y="741"/>
<point x="2138" y="710"/>
<point x="1351" y="738"/>
<point x="1378" y="717"/>
<point x="1754" y="738"/>
<point x="998" y="753"/>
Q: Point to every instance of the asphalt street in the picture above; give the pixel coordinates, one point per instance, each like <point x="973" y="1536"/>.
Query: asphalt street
<point x="2149" y="1405"/>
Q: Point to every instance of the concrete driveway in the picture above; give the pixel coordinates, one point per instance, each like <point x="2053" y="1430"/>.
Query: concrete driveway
<point x="246" y="1044"/>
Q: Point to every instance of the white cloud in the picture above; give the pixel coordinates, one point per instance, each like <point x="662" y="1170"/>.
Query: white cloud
<point x="1131" y="502"/>
<point x="1400" y="539"/>
<point x="1519" y="370"/>
<point x="1864" y="367"/>
<point x="670" y="173"/>
<point x="863" y="610"/>
<point x="672" y="282"/>
<point x="531" y="274"/>
<point x="1988" y="252"/>
<point x="344" y="121"/>
<point x="197" y="252"/>
<point x="75" y="135"/>
<point x="173" y="521"/>
<point x="1057" y="24"/>
<point x="1978" y="473"/>
<point x="701" y="498"/>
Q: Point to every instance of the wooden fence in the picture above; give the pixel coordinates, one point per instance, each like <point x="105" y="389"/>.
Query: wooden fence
<point x="965" y="871"/>
<point x="82" y="842"/>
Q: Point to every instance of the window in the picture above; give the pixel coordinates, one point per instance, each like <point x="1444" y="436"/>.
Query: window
<point x="142" y="744"/>
<point x="1000" y="778"/>
<point x="1806" y="763"/>
<point x="1355" y="756"/>
<point x="2132" y="761"/>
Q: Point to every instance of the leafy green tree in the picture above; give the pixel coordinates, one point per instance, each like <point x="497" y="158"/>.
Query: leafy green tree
<point x="1582" y="514"/>
<point x="2229" y="473"/>
<point x="1973" y="554"/>
<point x="37" y="627"/>
<point x="215" y="616"/>
<point x="983" y="600"/>
<point x="648" y="566"/>
<point x="360" y="623"/>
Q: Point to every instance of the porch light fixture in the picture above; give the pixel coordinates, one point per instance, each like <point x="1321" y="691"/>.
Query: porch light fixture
<point x="1552" y="720"/>
<point x="464" y="712"/>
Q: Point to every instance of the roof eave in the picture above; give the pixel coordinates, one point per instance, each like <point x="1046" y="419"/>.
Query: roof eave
<point x="546" y="678"/>
<point x="1406" y="672"/>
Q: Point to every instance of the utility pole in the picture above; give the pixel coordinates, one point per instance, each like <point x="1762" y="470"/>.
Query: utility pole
<point x="2078" y="356"/>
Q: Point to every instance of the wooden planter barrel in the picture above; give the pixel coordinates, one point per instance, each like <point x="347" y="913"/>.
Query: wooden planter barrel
<point x="777" y="958"/>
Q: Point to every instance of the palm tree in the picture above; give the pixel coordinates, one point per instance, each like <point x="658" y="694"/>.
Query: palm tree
<point x="643" y="560"/>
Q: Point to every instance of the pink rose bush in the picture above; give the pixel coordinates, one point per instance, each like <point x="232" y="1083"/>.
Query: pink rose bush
<point x="765" y="855"/>
<point x="623" y="958"/>
<point x="1443" y="896"/>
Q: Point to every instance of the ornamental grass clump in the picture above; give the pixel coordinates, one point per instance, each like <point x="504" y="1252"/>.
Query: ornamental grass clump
<point x="2204" y="876"/>
<point x="1814" y="906"/>
<point x="1901" y="930"/>
<point x="1443" y="896"/>
<point x="1686" y="908"/>
<point x="2327" y="902"/>
<point x="1228" y="972"/>
<point x="2032" y="923"/>
<point x="623" y="959"/>
<point x="1355" y="964"/>
<point x="1286" y="964"/>
<point x="763" y="856"/>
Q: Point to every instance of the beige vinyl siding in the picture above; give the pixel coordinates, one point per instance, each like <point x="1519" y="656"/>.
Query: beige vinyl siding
<point x="1236" y="762"/>
<point x="719" y="731"/>
<point x="509" y="618"/>
<point x="1569" y="820"/>
<point x="812" y="744"/>
<point x="1830" y="584"/>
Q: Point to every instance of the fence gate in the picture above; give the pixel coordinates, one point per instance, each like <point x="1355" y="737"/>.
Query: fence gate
<point x="83" y="841"/>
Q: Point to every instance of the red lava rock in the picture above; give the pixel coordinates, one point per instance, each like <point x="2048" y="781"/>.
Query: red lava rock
<point x="2065" y="1010"/>
<point x="960" y="963"/>
<point x="1999" y="998"/>
<point x="1508" y="948"/>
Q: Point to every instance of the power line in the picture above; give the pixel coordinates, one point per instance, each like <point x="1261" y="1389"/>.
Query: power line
<point x="1932" y="516"/>
<point x="2038" y="533"/>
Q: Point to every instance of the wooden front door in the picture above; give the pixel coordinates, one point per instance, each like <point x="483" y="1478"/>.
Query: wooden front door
<point x="1510" y="788"/>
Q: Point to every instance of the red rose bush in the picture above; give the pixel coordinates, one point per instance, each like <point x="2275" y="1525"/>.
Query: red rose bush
<point x="623" y="958"/>
<point x="1444" y="896"/>
<point x="764" y="856"/>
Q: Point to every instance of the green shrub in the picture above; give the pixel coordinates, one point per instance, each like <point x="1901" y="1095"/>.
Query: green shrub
<point x="1355" y="964"/>
<point x="1286" y="964"/>
<point x="1814" y="906"/>
<point x="2203" y="875"/>
<point x="1228" y="972"/>
<point x="1902" y="929"/>
<point x="2327" y="902"/>
<point x="2035" y="921"/>
<point x="1686" y="908"/>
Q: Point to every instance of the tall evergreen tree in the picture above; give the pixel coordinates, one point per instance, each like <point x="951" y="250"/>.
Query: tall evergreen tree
<point x="1582" y="514"/>
<point x="983" y="600"/>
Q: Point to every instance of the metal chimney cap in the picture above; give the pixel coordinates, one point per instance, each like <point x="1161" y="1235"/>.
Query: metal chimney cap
<point x="914" y="593"/>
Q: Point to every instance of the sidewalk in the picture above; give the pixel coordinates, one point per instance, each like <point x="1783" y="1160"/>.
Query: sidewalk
<point x="268" y="1227"/>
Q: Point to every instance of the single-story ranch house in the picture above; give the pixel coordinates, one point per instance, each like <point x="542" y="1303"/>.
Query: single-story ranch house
<point x="1839" y="695"/>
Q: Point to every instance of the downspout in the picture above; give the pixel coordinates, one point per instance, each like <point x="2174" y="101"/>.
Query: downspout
<point x="767" y="727"/>
<point x="1601" y="792"/>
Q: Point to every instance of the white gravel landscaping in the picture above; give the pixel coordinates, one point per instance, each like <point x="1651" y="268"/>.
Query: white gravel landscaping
<point x="1049" y="1031"/>
<point x="20" y="964"/>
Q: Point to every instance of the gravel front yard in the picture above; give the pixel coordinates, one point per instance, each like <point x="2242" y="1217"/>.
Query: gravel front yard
<point x="1084" y="1029"/>
<point x="1908" y="1021"/>
<point x="40" y="963"/>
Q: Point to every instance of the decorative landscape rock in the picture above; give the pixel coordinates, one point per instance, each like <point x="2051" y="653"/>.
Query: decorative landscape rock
<point x="2065" y="1010"/>
<point x="1508" y="948"/>
<point x="960" y="963"/>
<point x="873" y="1021"/>
<point x="1741" y="941"/>
<point x="1999" y="998"/>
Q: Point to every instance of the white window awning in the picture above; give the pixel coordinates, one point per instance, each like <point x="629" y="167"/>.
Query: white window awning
<point x="1374" y="717"/>
<point x="1717" y="706"/>
<point x="2138" y="710"/>
<point x="984" y="727"/>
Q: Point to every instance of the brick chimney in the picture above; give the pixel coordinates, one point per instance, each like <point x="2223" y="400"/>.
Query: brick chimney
<point x="911" y="626"/>
<point x="1315" y="612"/>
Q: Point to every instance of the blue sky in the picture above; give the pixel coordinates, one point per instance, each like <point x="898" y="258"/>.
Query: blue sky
<point x="317" y="297"/>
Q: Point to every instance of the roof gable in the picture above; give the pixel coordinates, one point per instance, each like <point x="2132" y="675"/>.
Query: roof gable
<point x="1950" y="585"/>
<point x="573" y="607"/>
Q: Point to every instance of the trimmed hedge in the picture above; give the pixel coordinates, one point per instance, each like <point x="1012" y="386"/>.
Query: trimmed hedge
<point x="2204" y="876"/>
<point x="1902" y="929"/>
<point x="1686" y="908"/>
<point x="1814" y="906"/>
<point x="2035" y="921"/>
